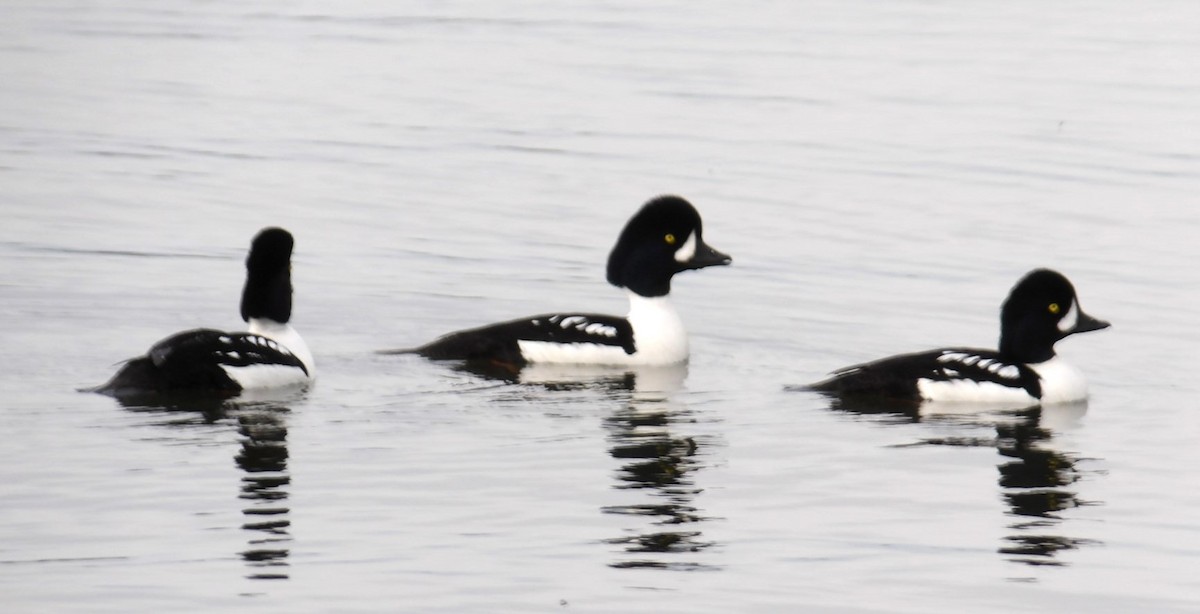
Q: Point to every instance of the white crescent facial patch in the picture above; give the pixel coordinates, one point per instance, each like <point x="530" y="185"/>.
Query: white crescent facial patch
<point x="687" y="250"/>
<point x="1071" y="319"/>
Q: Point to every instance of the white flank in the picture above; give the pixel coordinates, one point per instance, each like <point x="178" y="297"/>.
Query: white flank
<point x="971" y="391"/>
<point x="1071" y="319"/>
<point x="251" y="377"/>
<point x="550" y="352"/>
<point x="658" y="335"/>
<point x="687" y="250"/>
<point x="1061" y="382"/>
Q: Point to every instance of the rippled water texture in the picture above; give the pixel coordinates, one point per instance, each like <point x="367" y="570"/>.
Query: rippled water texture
<point x="881" y="173"/>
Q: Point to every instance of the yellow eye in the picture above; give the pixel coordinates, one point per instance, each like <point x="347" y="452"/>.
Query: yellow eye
<point x="670" y="239"/>
<point x="1054" y="308"/>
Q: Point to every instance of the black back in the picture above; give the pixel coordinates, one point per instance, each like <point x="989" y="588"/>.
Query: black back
<point x="896" y="377"/>
<point x="498" y="342"/>
<point x="191" y="361"/>
<point x="268" y="290"/>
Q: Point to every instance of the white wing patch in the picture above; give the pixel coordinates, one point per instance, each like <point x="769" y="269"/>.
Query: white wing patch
<point x="581" y="323"/>
<point x="601" y="329"/>
<point x="992" y="365"/>
<point x="267" y="343"/>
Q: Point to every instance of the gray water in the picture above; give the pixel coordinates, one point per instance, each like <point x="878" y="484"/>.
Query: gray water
<point x="882" y="173"/>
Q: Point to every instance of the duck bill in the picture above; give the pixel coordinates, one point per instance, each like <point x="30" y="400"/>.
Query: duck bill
<point x="706" y="256"/>
<point x="1087" y="323"/>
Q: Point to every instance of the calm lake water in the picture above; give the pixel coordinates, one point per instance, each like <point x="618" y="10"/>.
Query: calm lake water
<point x="881" y="173"/>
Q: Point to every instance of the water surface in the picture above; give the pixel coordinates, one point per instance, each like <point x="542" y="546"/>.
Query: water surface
<point x="881" y="174"/>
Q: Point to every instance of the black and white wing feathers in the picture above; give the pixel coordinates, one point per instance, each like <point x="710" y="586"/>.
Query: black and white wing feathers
<point x="499" y="342"/>
<point x="198" y="360"/>
<point x="898" y="377"/>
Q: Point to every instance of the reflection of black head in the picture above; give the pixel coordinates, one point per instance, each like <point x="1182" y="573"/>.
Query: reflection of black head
<point x="1034" y="484"/>
<point x="268" y="290"/>
<point x="660" y="240"/>
<point x="1036" y="465"/>
<point x="1039" y="311"/>
<point x="662" y="465"/>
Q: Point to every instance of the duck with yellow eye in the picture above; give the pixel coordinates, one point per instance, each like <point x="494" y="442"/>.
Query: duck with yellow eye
<point x="1041" y="310"/>
<point x="665" y="237"/>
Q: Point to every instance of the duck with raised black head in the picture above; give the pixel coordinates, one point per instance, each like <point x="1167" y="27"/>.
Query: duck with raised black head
<point x="270" y="354"/>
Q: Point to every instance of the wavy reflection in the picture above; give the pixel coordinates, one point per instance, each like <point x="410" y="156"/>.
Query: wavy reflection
<point x="658" y="467"/>
<point x="1035" y="484"/>
<point x="262" y="456"/>
<point x="1036" y="480"/>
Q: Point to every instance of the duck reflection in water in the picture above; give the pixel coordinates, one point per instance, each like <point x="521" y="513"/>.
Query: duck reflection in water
<point x="262" y="457"/>
<point x="1035" y="479"/>
<point x="1035" y="483"/>
<point x="658" y="465"/>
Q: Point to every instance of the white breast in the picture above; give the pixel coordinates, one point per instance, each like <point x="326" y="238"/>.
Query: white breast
<point x="1061" y="382"/>
<point x="658" y="331"/>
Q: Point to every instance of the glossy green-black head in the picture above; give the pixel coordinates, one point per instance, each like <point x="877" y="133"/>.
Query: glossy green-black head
<point x="1039" y="311"/>
<point x="663" y="238"/>
<point x="268" y="290"/>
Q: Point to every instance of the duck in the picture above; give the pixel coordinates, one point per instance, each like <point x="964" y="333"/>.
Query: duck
<point x="663" y="238"/>
<point x="203" y="361"/>
<point x="1040" y="310"/>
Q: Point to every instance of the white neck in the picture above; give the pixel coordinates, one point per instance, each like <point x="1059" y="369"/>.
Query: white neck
<point x="286" y="336"/>
<point x="658" y="331"/>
